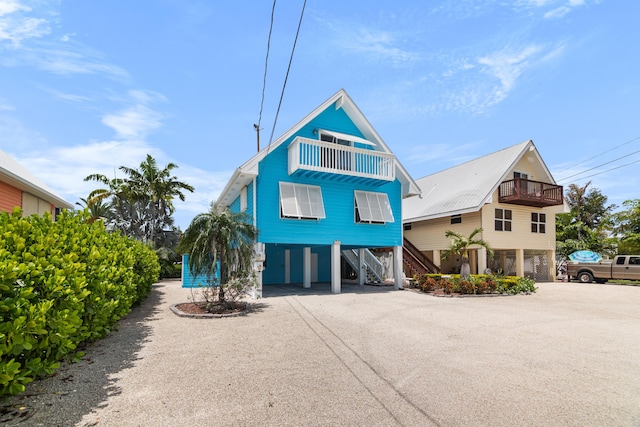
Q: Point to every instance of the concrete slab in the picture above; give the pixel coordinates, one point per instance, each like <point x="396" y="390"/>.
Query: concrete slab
<point x="567" y="355"/>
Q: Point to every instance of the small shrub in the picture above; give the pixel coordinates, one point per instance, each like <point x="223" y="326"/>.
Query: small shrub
<point x="466" y="287"/>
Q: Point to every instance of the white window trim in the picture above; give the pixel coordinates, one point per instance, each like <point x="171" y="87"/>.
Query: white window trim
<point x="538" y="223"/>
<point x="373" y="207"/>
<point x="243" y="199"/>
<point x="301" y="201"/>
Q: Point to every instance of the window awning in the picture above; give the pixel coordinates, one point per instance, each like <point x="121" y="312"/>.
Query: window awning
<point x="348" y="137"/>
<point x="301" y="201"/>
<point x="373" y="206"/>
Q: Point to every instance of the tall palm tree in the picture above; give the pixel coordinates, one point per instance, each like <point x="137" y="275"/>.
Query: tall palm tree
<point x="221" y="236"/>
<point x="460" y="246"/>
<point x="158" y="187"/>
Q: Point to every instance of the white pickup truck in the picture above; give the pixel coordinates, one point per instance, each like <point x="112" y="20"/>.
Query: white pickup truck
<point x="623" y="267"/>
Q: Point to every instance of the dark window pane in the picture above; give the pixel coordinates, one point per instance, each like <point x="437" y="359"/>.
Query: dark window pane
<point x="498" y="213"/>
<point x="543" y="217"/>
<point x="534" y="228"/>
<point x="542" y="228"/>
<point x="498" y="225"/>
<point x="507" y="226"/>
<point x="534" y="217"/>
<point x="507" y="214"/>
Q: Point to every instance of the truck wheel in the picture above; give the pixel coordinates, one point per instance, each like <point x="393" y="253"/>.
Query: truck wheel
<point x="585" y="277"/>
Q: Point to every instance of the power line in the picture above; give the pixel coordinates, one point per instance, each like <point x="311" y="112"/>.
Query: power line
<point x="284" y="85"/>
<point x="604" y="152"/>
<point x="266" y="63"/>
<point x="612" y="169"/>
<point x="600" y="165"/>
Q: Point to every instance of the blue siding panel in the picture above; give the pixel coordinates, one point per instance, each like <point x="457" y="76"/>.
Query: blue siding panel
<point x="338" y="197"/>
<point x="191" y="281"/>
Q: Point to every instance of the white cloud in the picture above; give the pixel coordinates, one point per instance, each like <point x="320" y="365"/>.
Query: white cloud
<point x="375" y="44"/>
<point x="134" y="122"/>
<point x="15" y="27"/>
<point x="64" y="169"/>
<point x="507" y="65"/>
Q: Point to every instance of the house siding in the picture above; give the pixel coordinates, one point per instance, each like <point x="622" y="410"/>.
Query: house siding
<point x="337" y="194"/>
<point x="10" y="197"/>
<point x="520" y="236"/>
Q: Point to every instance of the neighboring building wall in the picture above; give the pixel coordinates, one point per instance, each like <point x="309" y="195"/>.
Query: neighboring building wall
<point x="10" y="197"/>
<point x="34" y="205"/>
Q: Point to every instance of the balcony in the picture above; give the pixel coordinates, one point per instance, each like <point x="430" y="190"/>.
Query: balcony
<point x="316" y="156"/>
<point x="520" y="191"/>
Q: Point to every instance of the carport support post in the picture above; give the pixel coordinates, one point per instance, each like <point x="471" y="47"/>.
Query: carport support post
<point x="397" y="268"/>
<point x="520" y="262"/>
<point x="335" y="267"/>
<point x="362" y="270"/>
<point x="306" y="260"/>
<point x="482" y="260"/>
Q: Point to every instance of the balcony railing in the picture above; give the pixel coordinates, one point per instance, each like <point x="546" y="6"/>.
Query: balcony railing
<point x="319" y="156"/>
<point x="521" y="191"/>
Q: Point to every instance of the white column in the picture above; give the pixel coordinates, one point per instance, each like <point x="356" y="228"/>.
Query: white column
<point x="520" y="262"/>
<point x="335" y="267"/>
<point x="258" y="267"/>
<point x="287" y="266"/>
<point x="397" y="268"/>
<point x="306" y="267"/>
<point x="362" y="270"/>
<point x="437" y="257"/>
<point x="551" y="261"/>
<point x="482" y="260"/>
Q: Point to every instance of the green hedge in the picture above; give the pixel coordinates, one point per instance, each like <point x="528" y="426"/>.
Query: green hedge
<point x="477" y="284"/>
<point x="62" y="283"/>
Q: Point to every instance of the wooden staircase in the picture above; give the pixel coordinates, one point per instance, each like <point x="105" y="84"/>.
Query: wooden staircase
<point x="415" y="262"/>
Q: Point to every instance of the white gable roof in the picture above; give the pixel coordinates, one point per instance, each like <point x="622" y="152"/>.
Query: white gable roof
<point x="468" y="186"/>
<point x="14" y="174"/>
<point x="249" y="170"/>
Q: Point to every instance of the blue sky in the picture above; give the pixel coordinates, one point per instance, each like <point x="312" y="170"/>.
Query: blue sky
<point x="87" y="86"/>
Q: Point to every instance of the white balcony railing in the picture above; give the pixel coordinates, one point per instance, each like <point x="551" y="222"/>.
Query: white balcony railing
<point x="313" y="155"/>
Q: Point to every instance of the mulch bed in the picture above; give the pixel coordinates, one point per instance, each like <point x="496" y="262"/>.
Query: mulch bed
<point x="201" y="308"/>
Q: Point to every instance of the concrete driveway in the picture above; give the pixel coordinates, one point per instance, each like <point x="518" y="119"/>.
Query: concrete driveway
<point x="568" y="355"/>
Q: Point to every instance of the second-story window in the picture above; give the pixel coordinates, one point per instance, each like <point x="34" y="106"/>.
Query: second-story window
<point x="301" y="201"/>
<point x="503" y="219"/>
<point x="538" y="222"/>
<point x="373" y="208"/>
<point x="456" y="219"/>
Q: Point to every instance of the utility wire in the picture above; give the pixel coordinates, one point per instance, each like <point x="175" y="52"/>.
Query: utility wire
<point x="603" y="164"/>
<point x="266" y="63"/>
<point x="604" y="152"/>
<point x="612" y="169"/>
<point x="275" y="120"/>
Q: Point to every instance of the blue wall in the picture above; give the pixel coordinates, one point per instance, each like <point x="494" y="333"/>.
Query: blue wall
<point x="274" y="271"/>
<point x="338" y="196"/>
<point x="191" y="281"/>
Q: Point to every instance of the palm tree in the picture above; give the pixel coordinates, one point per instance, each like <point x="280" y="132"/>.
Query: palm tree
<point x="156" y="186"/>
<point x="224" y="237"/>
<point x="460" y="246"/>
<point x="97" y="210"/>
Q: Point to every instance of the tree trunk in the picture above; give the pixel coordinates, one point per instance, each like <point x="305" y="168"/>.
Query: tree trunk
<point x="465" y="269"/>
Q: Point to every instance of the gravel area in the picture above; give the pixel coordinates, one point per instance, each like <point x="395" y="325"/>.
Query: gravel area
<point x="567" y="355"/>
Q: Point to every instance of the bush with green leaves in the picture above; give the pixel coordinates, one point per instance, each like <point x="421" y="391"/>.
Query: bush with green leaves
<point x="62" y="283"/>
<point x="476" y="284"/>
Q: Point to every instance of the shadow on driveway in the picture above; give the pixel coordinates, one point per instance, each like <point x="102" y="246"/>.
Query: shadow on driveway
<point x="77" y="389"/>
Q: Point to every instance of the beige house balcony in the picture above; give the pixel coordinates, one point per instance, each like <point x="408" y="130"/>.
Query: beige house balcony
<point x="525" y="192"/>
<point x="316" y="156"/>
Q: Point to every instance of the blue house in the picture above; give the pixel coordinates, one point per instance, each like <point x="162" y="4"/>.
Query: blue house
<point x="327" y="189"/>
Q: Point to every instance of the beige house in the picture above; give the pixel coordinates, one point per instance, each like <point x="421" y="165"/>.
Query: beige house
<point x="510" y="194"/>
<point x="20" y="188"/>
